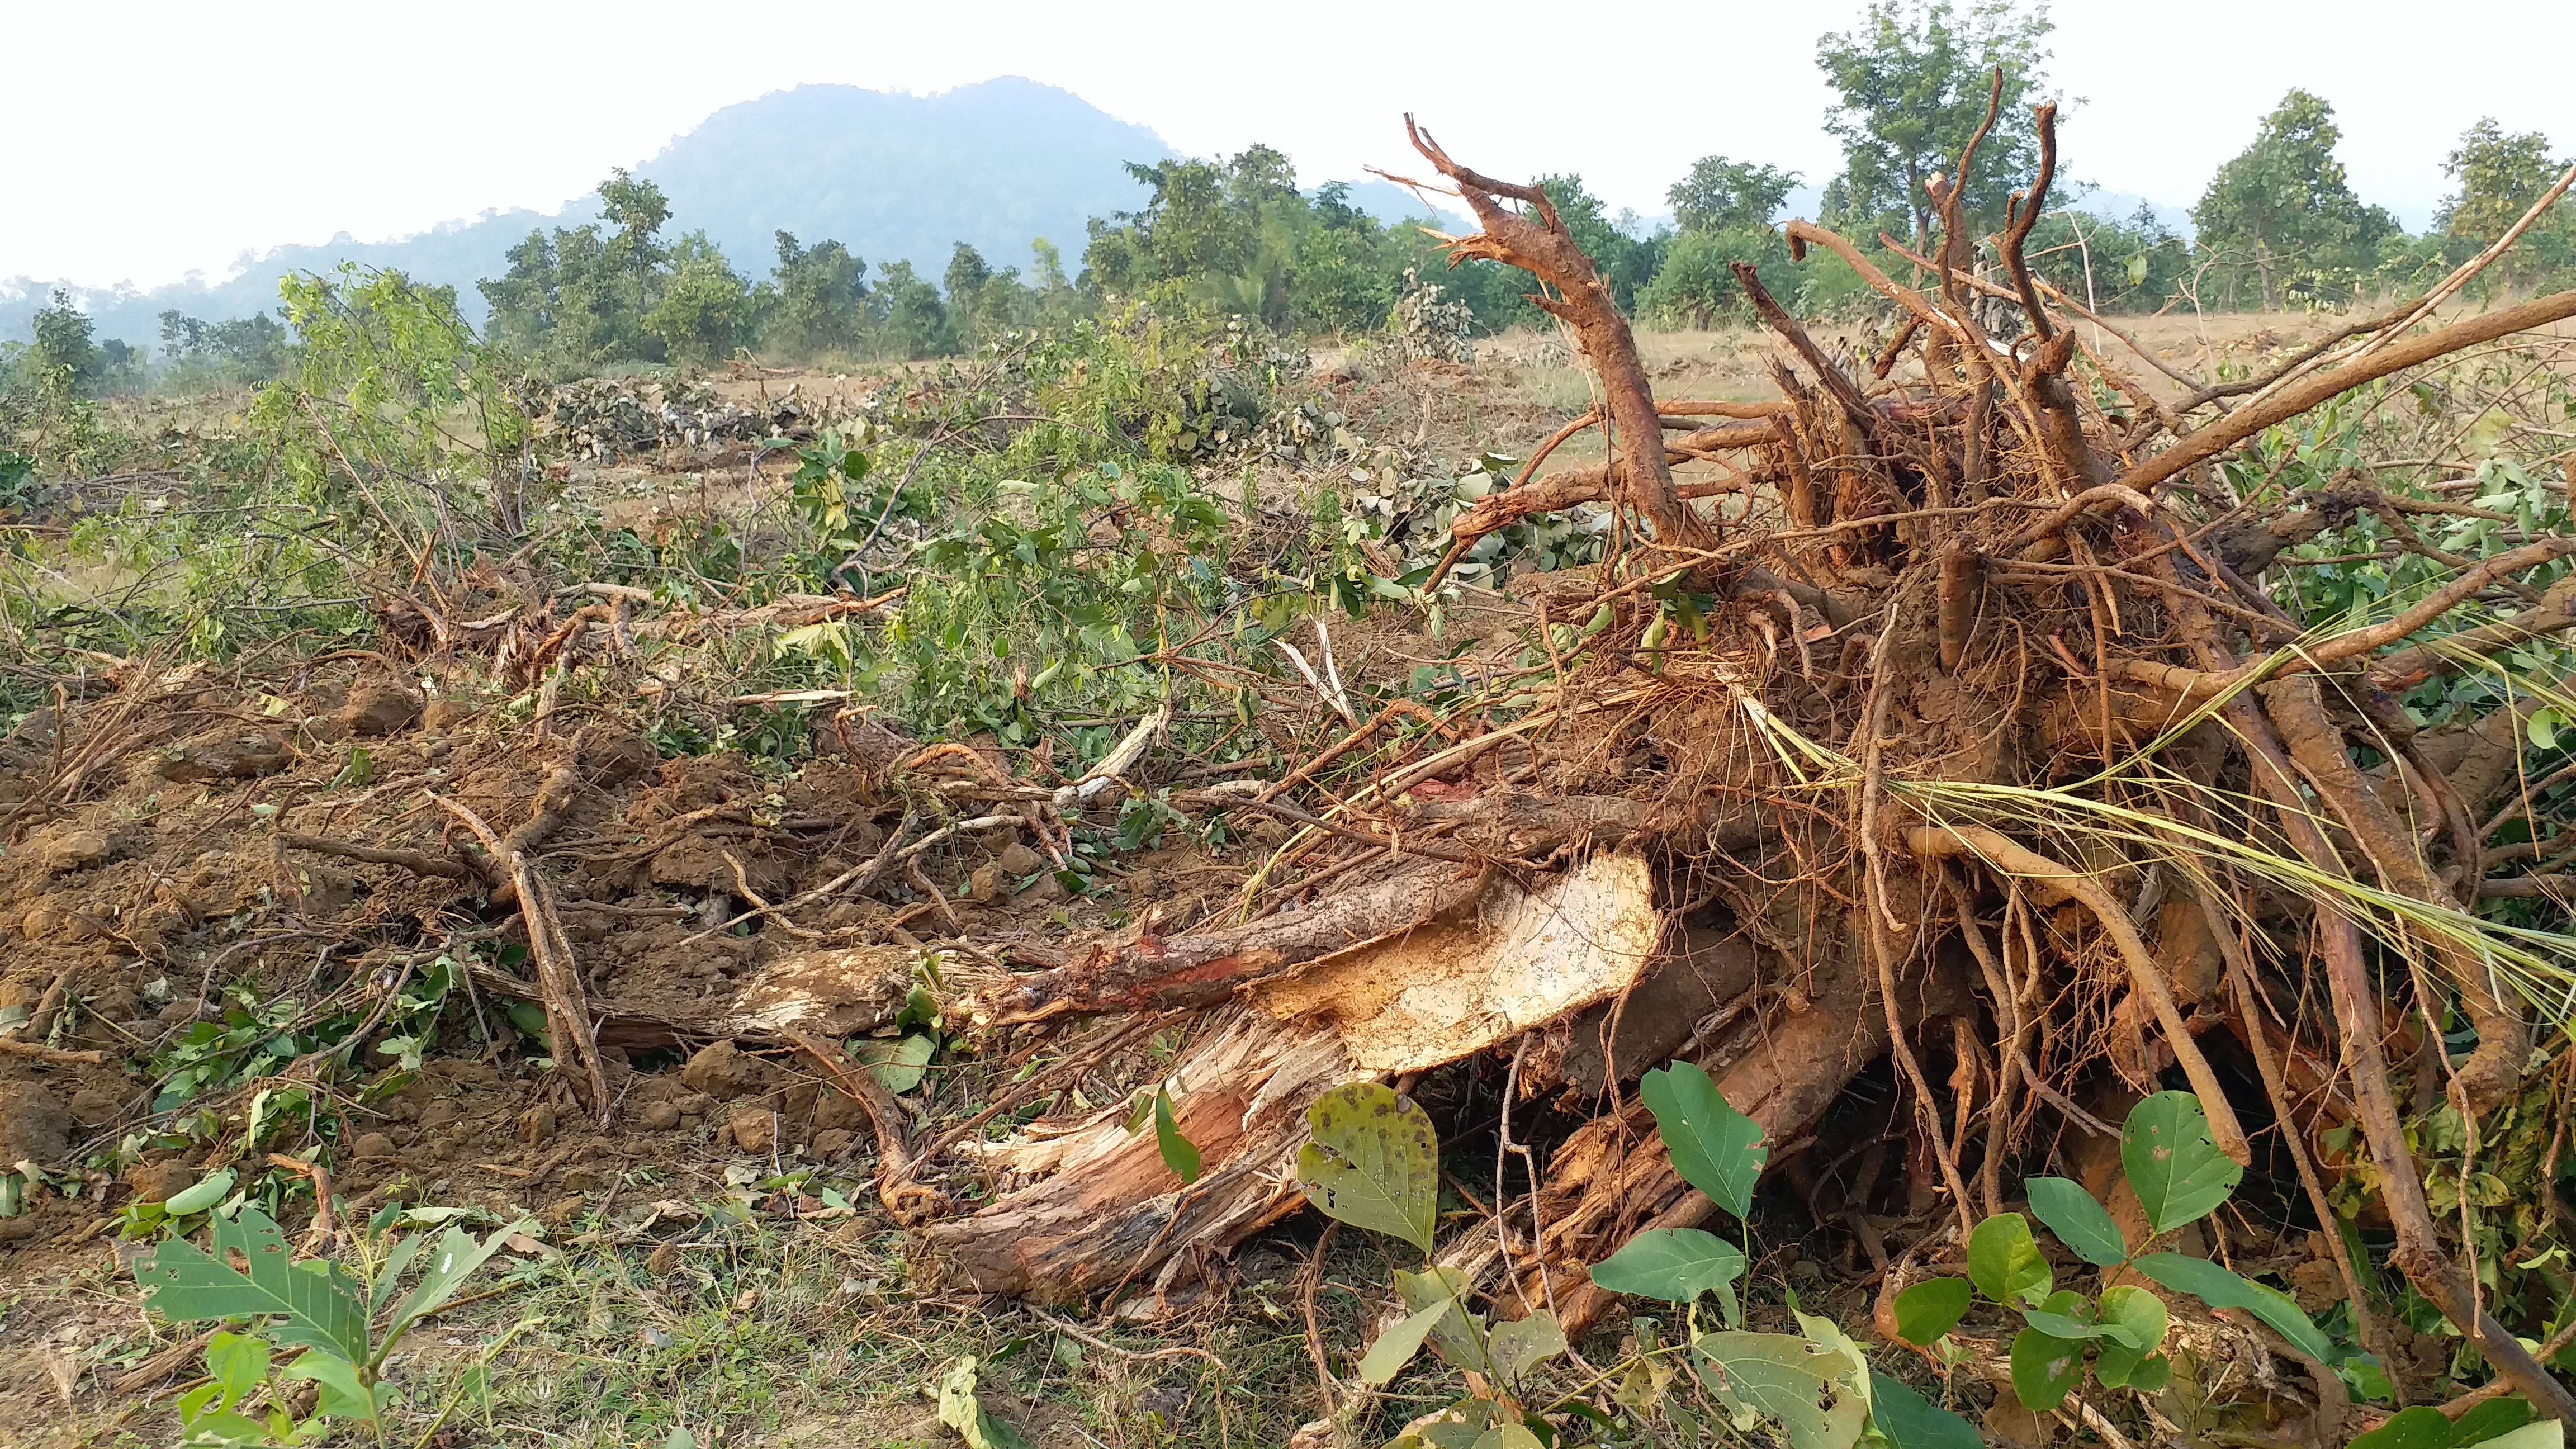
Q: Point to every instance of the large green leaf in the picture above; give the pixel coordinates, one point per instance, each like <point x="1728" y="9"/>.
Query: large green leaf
<point x="315" y="1304"/>
<point x="2219" y="1288"/>
<point x="341" y="1395"/>
<point x="1803" y="1387"/>
<point x="1397" y="1346"/>
<point x="2133" y="1316"/>
<point x="899" y="1063"/>
<point x="1930" y="1309"/>
<point x="444" y="1270"/>
<point x="2426" y="1428"/>
<point x="1909" y="1421"/>
<point x="2178" y="1173"/>
<point x="1373" y="1162"/>
<point x="1673" y="1264"/>
<point x="2005" y="1263"/>
<point x="2078" y="1220"/>
<point x="2044" y="1368"/>
<point x="1714" y="1147"/>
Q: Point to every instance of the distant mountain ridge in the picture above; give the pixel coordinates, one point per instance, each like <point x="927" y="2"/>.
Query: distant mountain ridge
<point x="891" y="176"/>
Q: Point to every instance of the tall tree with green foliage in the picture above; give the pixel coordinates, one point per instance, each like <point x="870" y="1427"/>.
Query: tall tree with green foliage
<point x="1719" y="193"/>
<point x="2283" y="211"/>
<point x="64" y="350"/>
<point x="706" y="309"/>
<point x="578" y="298"/>
<point x="1912" y="81"/>
<point x="822" y="298"/>
<point x="2499" y="177"/>
<point x="908" y="316"/>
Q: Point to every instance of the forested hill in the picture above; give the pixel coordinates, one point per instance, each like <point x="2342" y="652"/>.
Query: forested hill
<point x="890" y="176"/>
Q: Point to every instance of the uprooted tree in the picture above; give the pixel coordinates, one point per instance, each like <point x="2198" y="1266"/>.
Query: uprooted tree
<point x="1947" y="716"/>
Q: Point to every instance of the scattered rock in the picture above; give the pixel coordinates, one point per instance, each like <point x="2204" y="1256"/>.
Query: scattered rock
<point x="441" y="1112"/>
<point x="615" y="757"/>
<point x="374" y="1147"/>
<point x="1019" y="862"/>
<point x="67" y="848"/>
<point x="658" y="1116"/>
<point x="536" y="1125"/>
<point x="830" y="1143"/>
<point x="445" y="714"/>
<point x="224" y="757"/>
<point x="986" y="884"/>
<point x="160" y="1181"/>
<point x="723" y="1072"/>
<point x="755" y="1129"/>
<point x="33" y="1126"/>
<point x="380" y="707"/>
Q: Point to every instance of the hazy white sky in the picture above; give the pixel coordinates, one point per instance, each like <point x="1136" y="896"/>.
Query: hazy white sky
<point x="150" y="138"/>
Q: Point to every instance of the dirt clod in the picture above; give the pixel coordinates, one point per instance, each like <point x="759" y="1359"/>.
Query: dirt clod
<point x="380" y="708"/>
<point x="374" y="1147"/>
<point x="33" y="1126"/>
<point x="65" y="849"/>
<point x="160" y="1181"/>
<point x="231" y="756"/>
<point x="723" y="1072"/>
<point x="658" y="1116"/>
<point x="755" y="1129"/>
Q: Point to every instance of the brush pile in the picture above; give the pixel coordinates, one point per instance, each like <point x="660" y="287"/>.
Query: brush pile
<point x="1946" y="727"/>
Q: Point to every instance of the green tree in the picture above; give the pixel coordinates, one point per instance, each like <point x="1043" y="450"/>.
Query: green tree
<point x="967" y="273"/>
<point x="636" y="209"/>
<point x="910" y="319"/>
<point x="706" y="308"/>
<point x="1696" y="286"/>
<point x="2284" y="213"/>
<point x="64" y="348"/>
<point x="2500" y="176"/>
<point x="822" y="298"/>
<point x="1719" y="193"/>
<point x="1912" y="81"/>
<point x="246" y="350"/>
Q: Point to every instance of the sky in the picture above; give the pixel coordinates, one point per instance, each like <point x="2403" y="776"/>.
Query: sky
<point x="154" y="139"/>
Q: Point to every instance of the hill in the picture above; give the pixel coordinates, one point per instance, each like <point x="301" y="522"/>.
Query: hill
<point x="891" y="176"/>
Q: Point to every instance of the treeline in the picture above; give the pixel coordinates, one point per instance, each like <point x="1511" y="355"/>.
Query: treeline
<point x="2278" y="226"/>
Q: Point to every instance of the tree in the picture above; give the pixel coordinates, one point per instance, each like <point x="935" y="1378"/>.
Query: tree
<point x="637" y="209"/>
<point x="822" y="298"/>
<point x="706" y="309"/>
<point x="578" y="298"/>
<point x="63" y="347"/>
<point x="967" y="273"/>
<point x="1719" y="193"/>
<point x="910" y="319"/>
<point x="1914" y="78"/>
<point x="2500" y="176"/>
<point x="2284" y="211"/>
<point x="1696" y="286"/>
<point x="250" y="349"/>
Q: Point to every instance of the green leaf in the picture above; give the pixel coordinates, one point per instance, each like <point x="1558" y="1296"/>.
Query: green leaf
<point x="2179" y="1174"/>
<point x="2492" y="1419"/>
<point x="1178" y="1152"/>
<point x="1930" y="1309"/>
<point x="899" y="1063"/>
<point x="1516" y="1347"/>
<point x="343" y="1396"/>
<point x="2491" y="1423"/>
<point x="1803" y="1387"/>
<point x="1397" y="1346"/>
<point x="1508" y="1436"/>
<point x="2152" y="1374"/>
<point x="2004" y="1263"/>
<point x="2416" y="1428"/>
<point x="1673" y="1264"/>
<point x="1373" y="1162"/>
<point x="207" y="1191"/>
<point x="2547" y="1434"/>
<point x="960" y="1410"/>
<point x="237" y="1362"/>
<point x="1459" y="1336"/>
<point x="316" y="1307"/>
<point x="2219" y="1288"/>
<point x="2134" y="1317"/>
<point x="1714" y="1147"/>
<point x="1907" y="1420"/>
<point x="2078" y="1220"/>
<point x="2044" y="1368"/>
<point x="449" y="1265"/>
